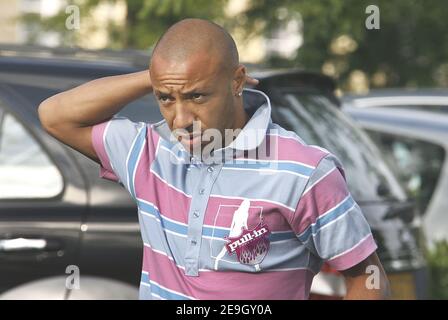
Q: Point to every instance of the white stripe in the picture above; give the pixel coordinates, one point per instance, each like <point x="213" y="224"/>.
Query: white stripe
<point x="319" y="148"/>
<point x="164" y="229"/>
<point x="170" y="258"/>
<point x="295" y="138"/>
<point x="335" y="220"/>
<point x="138" y="161"/>
<point x="205" y="225"/>
<point x="352" y="248"/>
<point x="317" y="181"/>
<point x="169" y="185"/>
<point x="172" y="291"/>
<point x="148" y="202"/>
<point x="288" y="269"/>
<point x="282" y="161"/>
<point x="157" y="148"/>
<point x="173" y="154"/>
<point x="143" y="212"/>
<point x="253" y="199"/>
<point x="157" y="296"/>
<point x="104" y="143"/>
<point x="162" y="215"/>
<point x="266" y="170"/>
<point x="325" y="213"/>
<point x="127" y="160"/>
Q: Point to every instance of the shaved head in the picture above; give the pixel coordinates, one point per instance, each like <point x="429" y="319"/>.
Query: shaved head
<point x="192" y="37"/>
<point x="196" y="78"/>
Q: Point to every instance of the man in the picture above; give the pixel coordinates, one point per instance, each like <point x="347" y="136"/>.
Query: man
<point x="215" y="226"/>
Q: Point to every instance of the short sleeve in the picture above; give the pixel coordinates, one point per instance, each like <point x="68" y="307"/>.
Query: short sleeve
<point x="329" y="222"/>
<point x="113" y="141"/>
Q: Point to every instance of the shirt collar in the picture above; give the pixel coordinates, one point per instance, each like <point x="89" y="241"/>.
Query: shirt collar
<point x="258" y="107"/>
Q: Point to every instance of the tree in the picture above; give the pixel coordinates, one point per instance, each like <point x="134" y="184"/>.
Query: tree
<point x="410" y="48"/>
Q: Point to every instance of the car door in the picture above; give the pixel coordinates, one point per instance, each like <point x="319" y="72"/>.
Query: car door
<point x="42" y="197"/>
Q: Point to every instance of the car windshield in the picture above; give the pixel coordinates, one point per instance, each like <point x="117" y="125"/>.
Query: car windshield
<point x="319" y="122"/>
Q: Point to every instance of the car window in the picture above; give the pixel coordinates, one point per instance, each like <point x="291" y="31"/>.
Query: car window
<point x="418" y="163"/>
<point x="26" y="171"/>
<point x="37" y="88"/>
<point x="144" y="109"/>
<point x="318" y="122"/>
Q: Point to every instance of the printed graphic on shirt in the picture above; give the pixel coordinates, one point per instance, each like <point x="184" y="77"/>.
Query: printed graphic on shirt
<point x="248" y="236"/>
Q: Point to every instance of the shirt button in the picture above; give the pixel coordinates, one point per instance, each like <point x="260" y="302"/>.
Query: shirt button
<point x="210" y="169"/>
<point x="196" y="213"/>
<point x="201" y="191"/>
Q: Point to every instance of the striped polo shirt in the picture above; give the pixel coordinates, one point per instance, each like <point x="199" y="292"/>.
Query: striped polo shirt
<point x="281" y="205"/>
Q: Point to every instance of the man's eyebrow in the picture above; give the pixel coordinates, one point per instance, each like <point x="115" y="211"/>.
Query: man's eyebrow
<point x="195" y="90"/>
<point x="160" y="92"/>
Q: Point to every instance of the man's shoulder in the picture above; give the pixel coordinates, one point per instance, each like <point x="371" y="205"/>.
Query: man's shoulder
<point x="291" y="147"/>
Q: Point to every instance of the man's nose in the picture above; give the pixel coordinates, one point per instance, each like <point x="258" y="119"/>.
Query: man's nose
<point x="183" y="118"/>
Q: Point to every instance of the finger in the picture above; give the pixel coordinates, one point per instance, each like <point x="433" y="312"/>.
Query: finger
<point x="251" y="80"/>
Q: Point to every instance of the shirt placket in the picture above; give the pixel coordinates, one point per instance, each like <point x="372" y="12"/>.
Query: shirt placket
<point x="205" y="175"/>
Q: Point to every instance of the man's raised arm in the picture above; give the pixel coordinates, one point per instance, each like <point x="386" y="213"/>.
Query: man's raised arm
<point x="69" y="116"/>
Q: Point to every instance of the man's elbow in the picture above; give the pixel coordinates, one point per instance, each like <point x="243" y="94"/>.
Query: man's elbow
<point x="47" y="112"/>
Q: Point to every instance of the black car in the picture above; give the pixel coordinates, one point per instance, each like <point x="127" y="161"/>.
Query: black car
<point x="55" y="211"/>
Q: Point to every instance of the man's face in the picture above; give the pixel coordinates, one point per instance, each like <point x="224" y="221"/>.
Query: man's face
<point x="197" y="90"/>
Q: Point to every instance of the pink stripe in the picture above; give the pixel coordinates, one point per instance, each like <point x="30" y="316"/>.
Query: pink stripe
<point x="220" y="213"/>
<point x="106" y="170"/>
<point x="291" y="150"/>
<point x="170" y="202"/>
<point x="326" y="194"/>
<point x="356" y="255"/>
<point x="294" y="284"/>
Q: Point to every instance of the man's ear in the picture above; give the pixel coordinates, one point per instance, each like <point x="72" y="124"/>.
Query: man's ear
<point x="239" y="79"/>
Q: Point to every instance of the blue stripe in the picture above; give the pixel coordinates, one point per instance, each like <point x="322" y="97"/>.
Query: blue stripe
<point x="133" y="158"/>
<point x="175" y="148"/>
<point x="206" y="231"/>
<point x="331" y="216"/>
<point x="272" y="165"/>
<point x="161" y="291"/>
<point x="166" y="224"/>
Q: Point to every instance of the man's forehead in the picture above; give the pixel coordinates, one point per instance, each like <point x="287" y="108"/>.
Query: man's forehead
<point x="192" y="71"/>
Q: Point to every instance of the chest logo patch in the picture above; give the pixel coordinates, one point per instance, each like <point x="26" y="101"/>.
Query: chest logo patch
<point x="251" y="245"/>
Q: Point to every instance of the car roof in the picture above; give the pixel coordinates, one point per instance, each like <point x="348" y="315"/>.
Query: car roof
<point x="14" y="58"/>
<point x="399" y="97"/>
<point x="418" y="120"/>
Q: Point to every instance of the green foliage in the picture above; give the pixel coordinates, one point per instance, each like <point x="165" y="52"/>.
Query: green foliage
<point x="438" y="266"/>
<point x="410" y="49"/>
